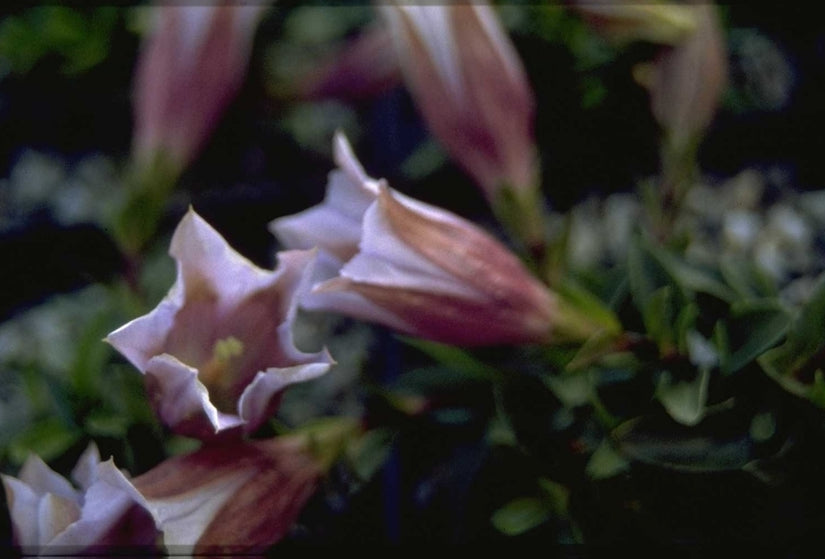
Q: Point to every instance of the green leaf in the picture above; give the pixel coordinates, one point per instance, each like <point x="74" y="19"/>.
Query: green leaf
<point x="692" y="277"/>
<point x="367" y="454"/>
<point x="754" y="327"/>
<point x="645" y="274"/>
<point x="455" y="358"/>
<point x="692" y="449"/>
<point x="805" y="341"/>
<point x="652" y="267"/>
<point x="606" y="462"/>
<point x="48" y="438"/>
<point x="684" y="400"/>
<point x="657" y="315"/>
<point x="106" y="423"/>
<point x="747" y="279"/>
<point x="520" y="515"/>
<point x="685" y="326"/>
<point x="573" y="390"/>
<point x="588" y="305"/>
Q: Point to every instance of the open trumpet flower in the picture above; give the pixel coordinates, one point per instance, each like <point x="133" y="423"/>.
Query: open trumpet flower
<point x="218" y="350"/>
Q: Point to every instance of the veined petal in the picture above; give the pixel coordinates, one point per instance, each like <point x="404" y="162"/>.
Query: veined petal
<point x="189" y="68"/>
<point x="429" y="273"/>
<point x="472" y="91"/>
<point x="241" y="496"/>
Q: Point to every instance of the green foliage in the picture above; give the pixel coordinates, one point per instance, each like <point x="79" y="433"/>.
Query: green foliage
<point x="79" y="39"/>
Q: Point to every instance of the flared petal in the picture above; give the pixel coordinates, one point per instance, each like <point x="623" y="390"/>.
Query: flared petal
<point x="224" y="321"/>
<point x="334" y="226"/>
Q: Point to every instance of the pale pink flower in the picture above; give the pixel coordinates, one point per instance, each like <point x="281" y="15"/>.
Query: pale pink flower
<point x="429" y="273"/>
<point x="218" y="350"/>
<point x="334" y="225"/>
<point x="422" y="270"/>
<point x="190" y="67"/>
<point x="471" y="88"/>
<point x="49" y="515"/>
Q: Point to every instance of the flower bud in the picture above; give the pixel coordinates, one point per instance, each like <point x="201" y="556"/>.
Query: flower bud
<point x="687" y="80"/>
<point x="190" y="67"/>
<point x="470" y="86"/>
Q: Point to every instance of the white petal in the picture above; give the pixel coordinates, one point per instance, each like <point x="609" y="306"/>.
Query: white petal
<point x="54" y="515"/>
<point x="42" y="479"/>
<point x="181" y="400"/>
<point x="144" y="337"/>
<point x="206" y="261"/>
<point x="85" y="471"/>
<point x="23" y="503"/>
<point x="254" y="405"/>
<point x="110" y="501"/>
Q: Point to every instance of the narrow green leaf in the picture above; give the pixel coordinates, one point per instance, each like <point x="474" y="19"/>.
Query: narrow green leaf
<point x="674" y="446"/>
<point x="754" y="328"/>
<point x="454" y="357"/>
<point x="657" y="315"/>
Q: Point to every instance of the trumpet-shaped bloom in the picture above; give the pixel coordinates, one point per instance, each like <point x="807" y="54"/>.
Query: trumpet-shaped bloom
<point x="334" y="225"/>
<point x="218" y="350"/>
<point x="426" y="272"/>
<point x="236" y="497"/>
<point x="49" y="515"/>
<point x="190" y="67"/>
<point x="471" y="89"/>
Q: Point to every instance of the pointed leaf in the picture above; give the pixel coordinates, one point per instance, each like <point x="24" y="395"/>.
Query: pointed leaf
<point x="520" y="515"/>
<point x="685" y="401"/>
